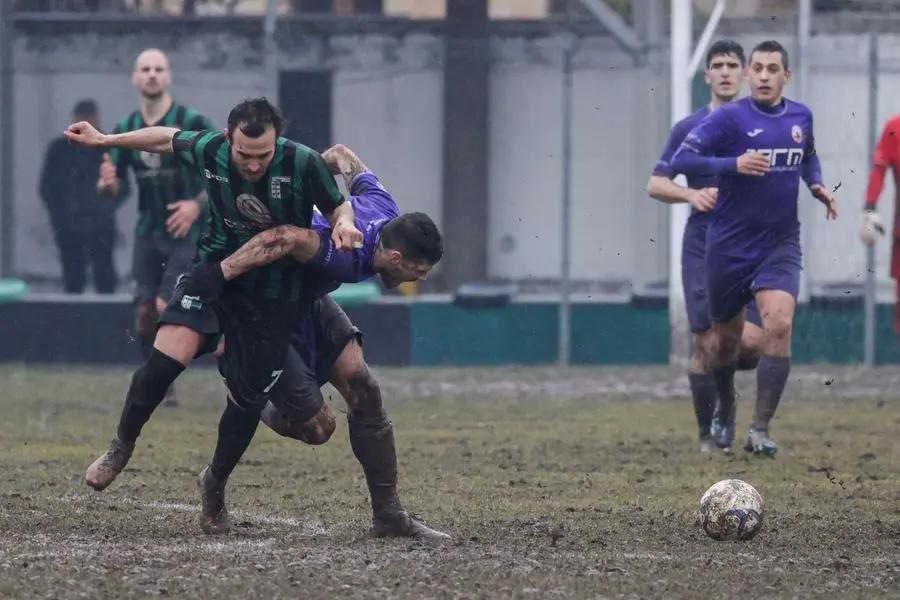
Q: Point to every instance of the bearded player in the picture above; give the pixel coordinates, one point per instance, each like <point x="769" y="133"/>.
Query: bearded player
<point x="716" y="421"/>
<point x="256" y="179"/>
<point x="760" y="148"/>
<point x="326" y="346"/>
<point x="171" y="198"/>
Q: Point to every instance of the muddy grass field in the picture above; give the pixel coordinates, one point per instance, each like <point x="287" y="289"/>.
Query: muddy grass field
<point x="555" y="484"/>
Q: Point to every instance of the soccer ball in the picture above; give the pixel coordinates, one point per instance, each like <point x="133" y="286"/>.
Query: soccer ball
<point x="731" y="510"/>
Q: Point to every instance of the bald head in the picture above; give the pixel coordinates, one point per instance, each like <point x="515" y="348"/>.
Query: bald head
<point x="152" y="75"/>
<point x="151" y="56"/>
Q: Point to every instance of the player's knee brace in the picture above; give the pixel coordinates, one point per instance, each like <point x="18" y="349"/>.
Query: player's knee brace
<point x="314" y="431"/>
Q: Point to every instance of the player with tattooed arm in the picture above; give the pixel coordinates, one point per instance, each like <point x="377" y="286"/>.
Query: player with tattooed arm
<point x="326" y="346"/>
<point x="255" y="179"/>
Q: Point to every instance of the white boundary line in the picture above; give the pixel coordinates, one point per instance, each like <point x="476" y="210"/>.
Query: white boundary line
<point x="304" y="527"/>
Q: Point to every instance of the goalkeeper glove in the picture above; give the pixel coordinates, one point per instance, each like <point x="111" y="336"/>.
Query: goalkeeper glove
<point x="869" y="224"/>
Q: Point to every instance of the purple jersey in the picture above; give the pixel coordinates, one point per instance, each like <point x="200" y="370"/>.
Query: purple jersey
<point x="753" y="240"/>
<point x="664" y="168"/>
<point x="693" y="245"/>
<point x="682" y="128"/>
<point x="374" y="207"/>
<point x="753" y="213"/>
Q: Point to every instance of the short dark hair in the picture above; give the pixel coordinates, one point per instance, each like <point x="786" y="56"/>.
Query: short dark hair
<point x="85" y="108"/>
<point x="415" y="236"/>
<point x="725" y="47"/>
<point x="771" y="46"/>
<point x="254" y="116"/>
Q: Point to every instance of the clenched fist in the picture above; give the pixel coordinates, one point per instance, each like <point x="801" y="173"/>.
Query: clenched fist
<point x="85" y="134"/>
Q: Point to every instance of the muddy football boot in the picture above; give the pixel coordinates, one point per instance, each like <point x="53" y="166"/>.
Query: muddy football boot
<point x="723" y="429"/>
<point x="707" y="444"/>
<point x="723" y="426"/>
<point x="760" y="444"/>
<point x="171" y="399"/>
<point x="400" y="524"/>
<point x="107" y="467"/>
<point x="213" y="513"/>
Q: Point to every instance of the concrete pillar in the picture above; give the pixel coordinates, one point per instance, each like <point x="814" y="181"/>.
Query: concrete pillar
<point x="466" y="123"/>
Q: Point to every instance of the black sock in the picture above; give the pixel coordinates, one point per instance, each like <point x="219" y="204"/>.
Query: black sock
<point x="724" y="377"/>
<point x="145" y="340"/>
<point x="236" y="430"/>
<point x="703" y="390"/>
<point x="771" y="377"/>
<point x="147" y="390"/>
<point x="372" y="440"/>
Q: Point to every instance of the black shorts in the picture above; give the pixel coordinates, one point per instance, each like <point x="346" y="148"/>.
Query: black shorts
<point x="257" y="332"/>
<point x="317" y="341"/>
<point x="157" y="263"/>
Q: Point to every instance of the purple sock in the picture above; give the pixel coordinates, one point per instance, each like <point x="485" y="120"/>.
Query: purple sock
<point x="771" y="377"/>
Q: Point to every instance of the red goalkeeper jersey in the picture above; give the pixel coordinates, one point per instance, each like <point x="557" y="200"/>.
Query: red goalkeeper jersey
<point x="886" y="156"/>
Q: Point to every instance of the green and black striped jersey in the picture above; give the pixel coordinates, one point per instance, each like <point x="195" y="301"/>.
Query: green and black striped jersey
<point x="161" y="179"/>
<point x="297" y="180"/>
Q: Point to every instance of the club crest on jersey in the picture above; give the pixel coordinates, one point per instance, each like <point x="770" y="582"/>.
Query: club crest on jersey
<point x="797" y="134"/>
<point x="151" y="160"/>
<point x="275" y="184"/>
<point x="253" y="210"/>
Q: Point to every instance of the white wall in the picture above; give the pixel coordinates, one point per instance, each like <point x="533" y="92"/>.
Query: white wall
<point x="388" y="103"/>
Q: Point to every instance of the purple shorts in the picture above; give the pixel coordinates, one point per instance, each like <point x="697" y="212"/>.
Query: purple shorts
<point x="733" y="281"/>
<point x="694" y="279"/>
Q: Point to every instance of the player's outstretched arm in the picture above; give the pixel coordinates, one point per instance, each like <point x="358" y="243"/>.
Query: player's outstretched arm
<point x="266" y="247"/>
<point x="208" y="279"/>
<point x="148" y="139"/>
<point x="305" y="245"/>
